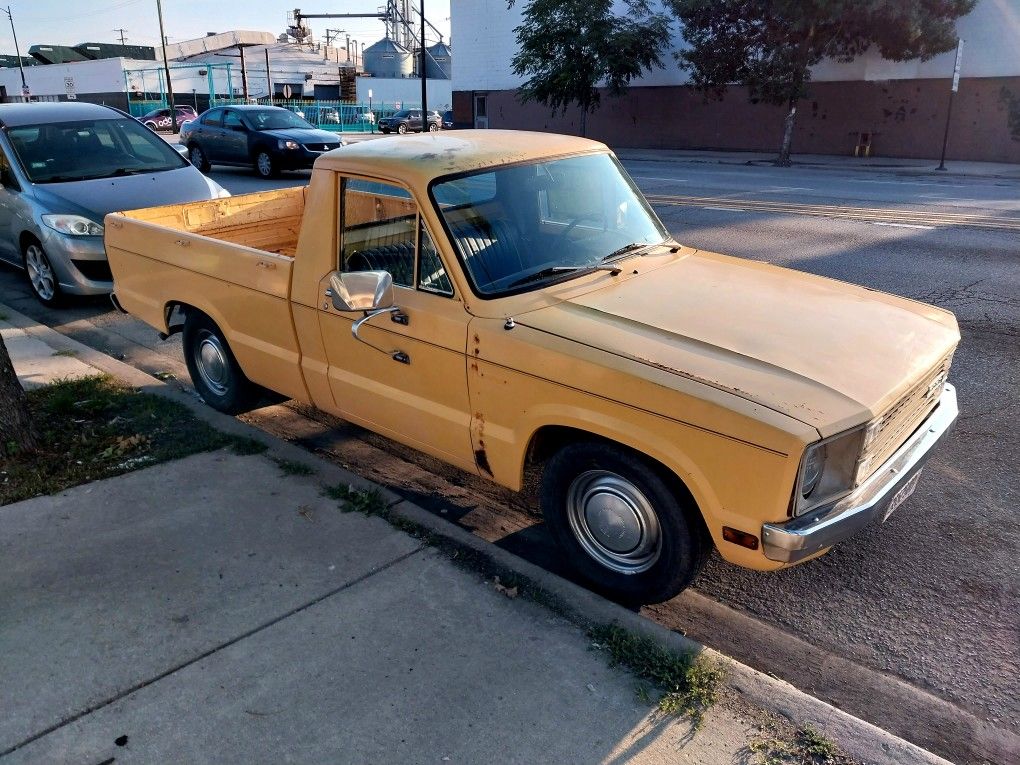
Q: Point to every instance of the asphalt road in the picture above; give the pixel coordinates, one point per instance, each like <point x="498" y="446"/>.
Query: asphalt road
<point x="914" y="624"/>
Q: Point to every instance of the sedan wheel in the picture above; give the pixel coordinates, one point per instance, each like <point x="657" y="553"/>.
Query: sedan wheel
<point x="264" y="164"/>
<point x="198" y="158"/>
<point x="40" y="275"/>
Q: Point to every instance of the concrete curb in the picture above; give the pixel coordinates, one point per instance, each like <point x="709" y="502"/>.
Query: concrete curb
<point x="860" y="739"/>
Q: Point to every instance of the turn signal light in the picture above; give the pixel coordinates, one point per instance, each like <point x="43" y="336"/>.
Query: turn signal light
<point x="742" y="538"/>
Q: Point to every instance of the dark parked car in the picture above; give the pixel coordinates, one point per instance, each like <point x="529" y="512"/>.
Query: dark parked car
<point x="267" y="138"/>
<point x="409" y="121"/>
<point x="159" y="119"/>
<point x="448" y="119"/>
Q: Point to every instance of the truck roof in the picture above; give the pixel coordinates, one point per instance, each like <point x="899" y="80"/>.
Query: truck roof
<point x="417" y="159"/>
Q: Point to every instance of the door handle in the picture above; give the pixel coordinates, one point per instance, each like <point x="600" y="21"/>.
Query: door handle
<point x="402" y="357"/>
<point x="399" y="317"/>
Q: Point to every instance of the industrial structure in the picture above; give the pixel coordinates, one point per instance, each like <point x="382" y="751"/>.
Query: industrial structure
<point x="898" y="108"/>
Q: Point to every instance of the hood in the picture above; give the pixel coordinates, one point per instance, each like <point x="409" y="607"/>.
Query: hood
<point x="304" y="135"/>
<point x="824" y="352"/>
<point x="101" y="196"/>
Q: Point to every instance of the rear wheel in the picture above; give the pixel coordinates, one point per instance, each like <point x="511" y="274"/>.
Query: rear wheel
<point x="214" y="370"/>
<point x="265" y="165"/>
<point x="41" y="277"/>
<point x="433" y="127"/>
<point x="198" y="157"/>
<point x="625" y="530"/>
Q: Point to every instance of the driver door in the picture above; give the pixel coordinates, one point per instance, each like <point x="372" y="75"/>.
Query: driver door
<point x="407" y="376"/>
<point x="234" y="138"/>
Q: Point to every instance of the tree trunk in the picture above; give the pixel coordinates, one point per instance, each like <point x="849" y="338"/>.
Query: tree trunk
<point x="784" y="151"/>
<point x="584" y="120"/>
<point x="17" y="433"/>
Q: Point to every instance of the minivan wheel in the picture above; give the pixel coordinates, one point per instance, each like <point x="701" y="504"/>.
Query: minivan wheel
<point x="625" y="530"/>
<point x="41" y="277"/>
<point x="214" y="370"/>
<point x="198" y="158"/>
<point x="265" y="165"/>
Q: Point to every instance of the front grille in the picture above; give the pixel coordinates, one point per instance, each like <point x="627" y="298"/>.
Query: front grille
<point x="903" y="417"/>
<point x="321" y="146"/>
<point x="94" y="270"/>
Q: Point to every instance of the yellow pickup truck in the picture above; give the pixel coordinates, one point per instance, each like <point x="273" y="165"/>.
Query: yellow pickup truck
<point x="509" y="303"/>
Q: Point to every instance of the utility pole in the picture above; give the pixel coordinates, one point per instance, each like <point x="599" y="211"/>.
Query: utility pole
<point x="122" y="31"/>
<point x="269" y="76"/>
<point x="166" y="67"/>
<point x="424" y="89"/>
<point x="244" y="74"/>
<point x="949" y="111"/>
<point x="17" y="51"/>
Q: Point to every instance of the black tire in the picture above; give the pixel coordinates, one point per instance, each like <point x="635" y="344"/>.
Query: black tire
<point x="645" y="567"/>
<point x="402" y="128"/>
<point x="42" y="279"/>
<point x="198" y="157"/>
<point x="214" y="370"/>
<point x="265" y="164"/>
<point x="384" y="131"/>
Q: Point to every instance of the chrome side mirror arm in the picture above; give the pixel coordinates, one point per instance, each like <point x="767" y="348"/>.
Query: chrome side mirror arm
<point x="396" y="355"/>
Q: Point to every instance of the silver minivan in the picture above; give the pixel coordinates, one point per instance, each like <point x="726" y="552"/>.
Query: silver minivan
<point x="63" y="167"/>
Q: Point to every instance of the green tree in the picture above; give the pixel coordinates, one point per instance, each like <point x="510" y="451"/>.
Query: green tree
<point x="769" y="46"/>
<point x="569" y="48"/>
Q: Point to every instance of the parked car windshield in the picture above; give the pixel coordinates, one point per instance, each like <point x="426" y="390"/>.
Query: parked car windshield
<point x="519" y="228"/>
<point x="88" y="149"/>
<point x="275" y="119"/>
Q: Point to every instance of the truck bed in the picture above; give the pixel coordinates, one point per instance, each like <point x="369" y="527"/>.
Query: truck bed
<point x="269" y="220"/>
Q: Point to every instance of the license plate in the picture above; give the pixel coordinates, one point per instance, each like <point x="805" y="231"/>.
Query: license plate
<point x="901" y="496"/>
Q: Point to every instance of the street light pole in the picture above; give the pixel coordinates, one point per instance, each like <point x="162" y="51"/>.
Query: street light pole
<point x="949" y="110"/>
<point x="166" y="66"/>
<point x="17" y="52"/>
<point x="424" y="94"/>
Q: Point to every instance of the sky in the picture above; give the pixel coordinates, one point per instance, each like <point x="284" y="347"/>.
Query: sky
<point x="62" y="22"/>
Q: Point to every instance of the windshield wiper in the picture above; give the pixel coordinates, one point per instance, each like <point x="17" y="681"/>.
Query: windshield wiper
<point x="579" y="270"/>
<point x="624" y="250"/>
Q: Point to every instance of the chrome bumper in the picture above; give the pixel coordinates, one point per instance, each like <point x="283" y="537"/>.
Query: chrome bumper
<point x="802" y="537"/>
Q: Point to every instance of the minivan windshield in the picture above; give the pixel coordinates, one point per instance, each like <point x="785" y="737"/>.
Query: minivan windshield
<point x="88" y="149"/>
<point x="522" y="227"/>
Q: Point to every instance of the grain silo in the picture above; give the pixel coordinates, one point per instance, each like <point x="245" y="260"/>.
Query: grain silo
<point x="438" y="61"/>
<point x="388" y="58"/>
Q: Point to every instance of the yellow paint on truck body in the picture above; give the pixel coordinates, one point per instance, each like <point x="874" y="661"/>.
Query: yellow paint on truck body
<point x="722" y="370"/>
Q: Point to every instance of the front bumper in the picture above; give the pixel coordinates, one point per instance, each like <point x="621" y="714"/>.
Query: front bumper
<point x="824" y="527"/>
<point x="79" y="262"/>
<point x="299" y="159"/>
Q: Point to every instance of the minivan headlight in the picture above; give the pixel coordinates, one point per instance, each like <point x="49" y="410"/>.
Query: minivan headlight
<point x="73" y="225"/>
<point x="828" y="470"/>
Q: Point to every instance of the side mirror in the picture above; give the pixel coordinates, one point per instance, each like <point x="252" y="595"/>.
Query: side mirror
<point x="361" y="290"/>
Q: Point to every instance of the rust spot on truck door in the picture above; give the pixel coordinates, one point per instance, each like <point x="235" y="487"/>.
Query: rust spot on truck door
<point x="482" y="460"/>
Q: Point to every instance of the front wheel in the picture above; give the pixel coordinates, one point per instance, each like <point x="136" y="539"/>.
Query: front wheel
<point x="401" y="128"/>
<point x="198" y="158"/>
<point x="214" y="370"/>
<point x="624" y="529"/>
<point x="41" y="277"/>
<point x="265" y="165"/>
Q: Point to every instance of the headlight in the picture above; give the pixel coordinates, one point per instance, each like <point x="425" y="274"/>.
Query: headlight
<point x="73" y="225"/>
<point x="828" y="470"/>
<point x="289" y="144"/>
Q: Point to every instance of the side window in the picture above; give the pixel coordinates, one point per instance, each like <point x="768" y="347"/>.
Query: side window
<point x="7" y="179"/>
<point x="382" y="231"/>
<point x="231" y="120"/>
<point x="432" y="277"/>
<point x="379" y="226"/>
<point x="213" y="118"/>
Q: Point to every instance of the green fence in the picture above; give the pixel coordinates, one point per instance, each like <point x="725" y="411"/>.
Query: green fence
<point x="336" y="116"/>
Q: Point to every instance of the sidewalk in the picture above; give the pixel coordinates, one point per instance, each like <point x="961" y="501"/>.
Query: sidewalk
<point x="221" y="609"/>
<point x="886" y="165"/>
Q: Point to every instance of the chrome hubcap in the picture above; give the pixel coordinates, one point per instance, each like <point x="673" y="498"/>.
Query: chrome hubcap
<point x="40" y="273"/>
<point x="211" y="360"/>
<point x="614" y="522"/>
<point x="265" y="163"/>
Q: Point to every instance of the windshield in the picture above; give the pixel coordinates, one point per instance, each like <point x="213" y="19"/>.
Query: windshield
<point x="88" y="149"/>
<point x="518" y="228"/>
<point x="275" y="119"/>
